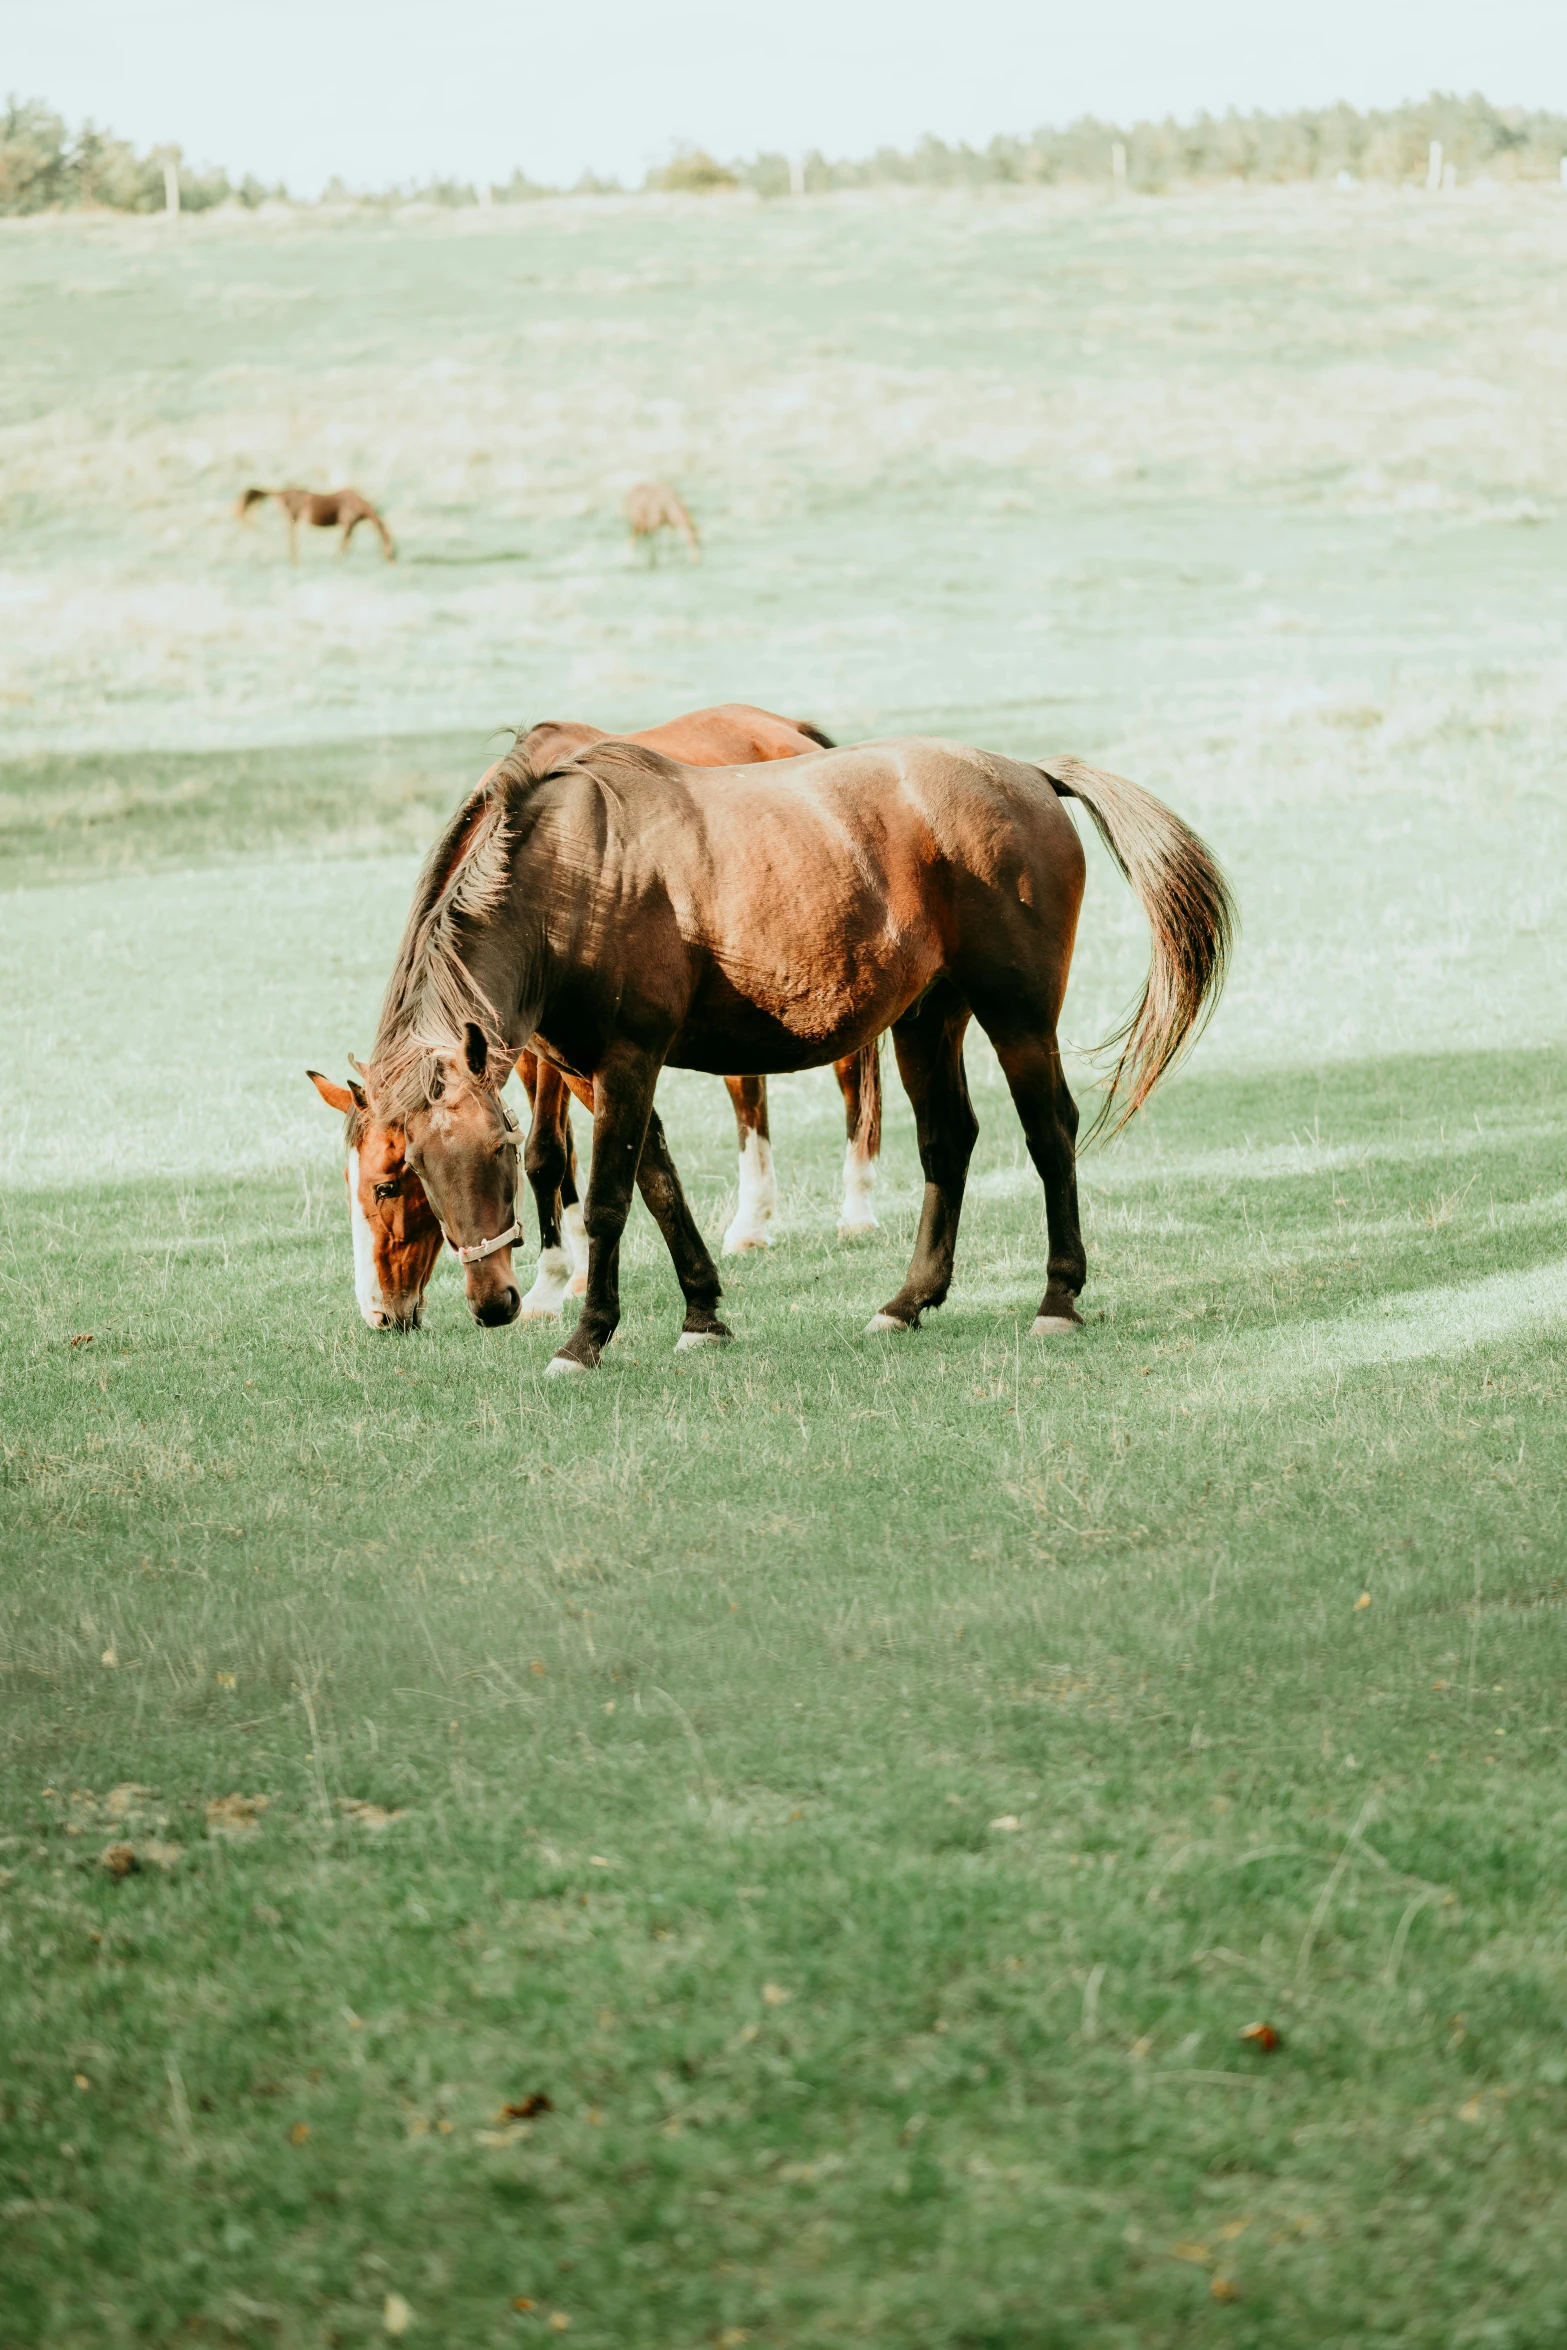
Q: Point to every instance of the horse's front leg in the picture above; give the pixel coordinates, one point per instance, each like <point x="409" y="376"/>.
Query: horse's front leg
<point x="660" y="1186"/>
<point x="622" y="1106"/>
<point x="545" y="1163"/>
<point x="758" y="1200"/>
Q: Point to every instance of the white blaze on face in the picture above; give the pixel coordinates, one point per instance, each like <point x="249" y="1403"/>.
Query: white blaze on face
<point x="859" y="1184"/>
<point x="367" y="1289"/>
<point x="758" y="1198"/>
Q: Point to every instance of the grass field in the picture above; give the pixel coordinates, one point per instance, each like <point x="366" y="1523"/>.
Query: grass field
<point x="867" y="1790"/>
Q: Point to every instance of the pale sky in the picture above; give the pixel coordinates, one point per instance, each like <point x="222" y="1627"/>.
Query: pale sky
<point x="385" y="91"/>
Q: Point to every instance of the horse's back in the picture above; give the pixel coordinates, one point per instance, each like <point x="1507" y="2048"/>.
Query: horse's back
<point x="734" y="734"/>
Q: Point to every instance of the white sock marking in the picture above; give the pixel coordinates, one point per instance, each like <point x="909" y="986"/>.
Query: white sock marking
<point x="367" y="1289"/>
<point x="758" y="1198"/>
<point x="859" y="1183"/>
<point x="551" y="1287"/>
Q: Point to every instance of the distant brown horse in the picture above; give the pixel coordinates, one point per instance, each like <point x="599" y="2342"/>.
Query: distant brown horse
<point x="342" y="510"/>
<point x="396" y="1237"/>
<point x="651" y="507"/>
<point x="621" y="914"/>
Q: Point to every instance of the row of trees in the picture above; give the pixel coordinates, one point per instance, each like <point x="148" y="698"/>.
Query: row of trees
<point x="1269" y="149"/>
<point x="46" y="167"/>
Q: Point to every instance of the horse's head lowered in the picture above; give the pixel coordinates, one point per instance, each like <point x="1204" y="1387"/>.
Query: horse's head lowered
<point x="397" y="1238"/>
<point x="464" y="1149"/>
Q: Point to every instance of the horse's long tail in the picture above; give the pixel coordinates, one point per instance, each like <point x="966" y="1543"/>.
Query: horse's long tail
<point x="1191" y="913"/>
<point x="252" y="498"/>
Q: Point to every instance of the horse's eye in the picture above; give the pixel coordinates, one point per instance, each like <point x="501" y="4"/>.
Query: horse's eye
<point x="388" y="1190"/>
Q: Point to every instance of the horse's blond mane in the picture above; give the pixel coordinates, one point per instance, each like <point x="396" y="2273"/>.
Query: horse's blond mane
<point x="432" y="995"/>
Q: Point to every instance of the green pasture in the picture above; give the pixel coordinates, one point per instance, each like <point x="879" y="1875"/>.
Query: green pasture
<point x="867" y="1790"/>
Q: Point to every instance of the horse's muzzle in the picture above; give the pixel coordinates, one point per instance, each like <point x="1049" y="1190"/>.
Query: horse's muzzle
<point x="495" y="1311"/>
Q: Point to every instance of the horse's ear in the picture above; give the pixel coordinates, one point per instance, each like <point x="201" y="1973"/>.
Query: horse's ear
<point x="344" y="1098"/>
<point x="475" y="1048"/>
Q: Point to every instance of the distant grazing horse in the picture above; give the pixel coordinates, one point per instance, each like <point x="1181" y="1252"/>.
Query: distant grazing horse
<point x="342" y="510"/>
<point x="623" y="913"/>
<point x="651" y="507"/>
<point x="396" y="1237"/>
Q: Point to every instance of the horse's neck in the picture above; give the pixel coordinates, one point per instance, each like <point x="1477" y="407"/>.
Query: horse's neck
<point x="506" y="963"/>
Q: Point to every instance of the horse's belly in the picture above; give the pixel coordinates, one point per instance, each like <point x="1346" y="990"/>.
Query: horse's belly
<point x="764" y="1021"/>
<point x="764" y="1047"/>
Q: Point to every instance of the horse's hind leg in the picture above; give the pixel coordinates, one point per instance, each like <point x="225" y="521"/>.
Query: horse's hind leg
<point x="659" y="1184"/>
<point x="859" y="1081"/>
<point x="1032" y="1066"/>
<point x="545" y="1162"/>
<point x="929" y="1045"/>
<point x="758" y="1185"/>
<point x="573" y="1230"/>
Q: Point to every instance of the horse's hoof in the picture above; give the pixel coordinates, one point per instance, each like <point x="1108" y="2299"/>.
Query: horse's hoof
<point x="527" y="1313"/>
<point x="689" y="1338"/>
<point x="739" y="1244"/>
<point x="559" y="1364"/>
<point x="578" y="1285"/>
<point x="1054" y="1325"/>
<point x="882" y="1322"/>
<point x="861" y="1229"/>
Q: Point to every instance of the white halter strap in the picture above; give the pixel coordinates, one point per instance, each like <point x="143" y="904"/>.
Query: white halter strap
<point x="480" y="1249"/>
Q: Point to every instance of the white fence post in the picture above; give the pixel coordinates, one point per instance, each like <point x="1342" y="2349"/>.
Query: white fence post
<point x="1434" y="167"/>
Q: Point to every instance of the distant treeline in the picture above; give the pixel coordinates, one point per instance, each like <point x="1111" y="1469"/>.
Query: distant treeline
<point x="46" y="167"/>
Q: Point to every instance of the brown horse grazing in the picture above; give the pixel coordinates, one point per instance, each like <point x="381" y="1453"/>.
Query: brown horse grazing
<point x="342" y="510"/>
<point x="395" y="1235"/>
<point x="651" y="507"/>
<point x="623" y="913"/>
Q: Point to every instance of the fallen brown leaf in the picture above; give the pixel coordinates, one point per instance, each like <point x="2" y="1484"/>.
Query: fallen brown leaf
<point x="235" y="1816"/>
<point x="524" y="2109"/>
<point x="367" y="1815"/>
<point x="127" y="1797"/>
<point x="119" y="1859"/>
<point x="299" y="2133"/>
<point x="1224" y="2288"/>
<point x="1261" y="2036"/>
<point x="82" y="1338"/>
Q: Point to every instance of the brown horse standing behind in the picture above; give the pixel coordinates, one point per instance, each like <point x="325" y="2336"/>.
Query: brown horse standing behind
<point x="651" y="507"/>
<point x="342" y="510"/>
